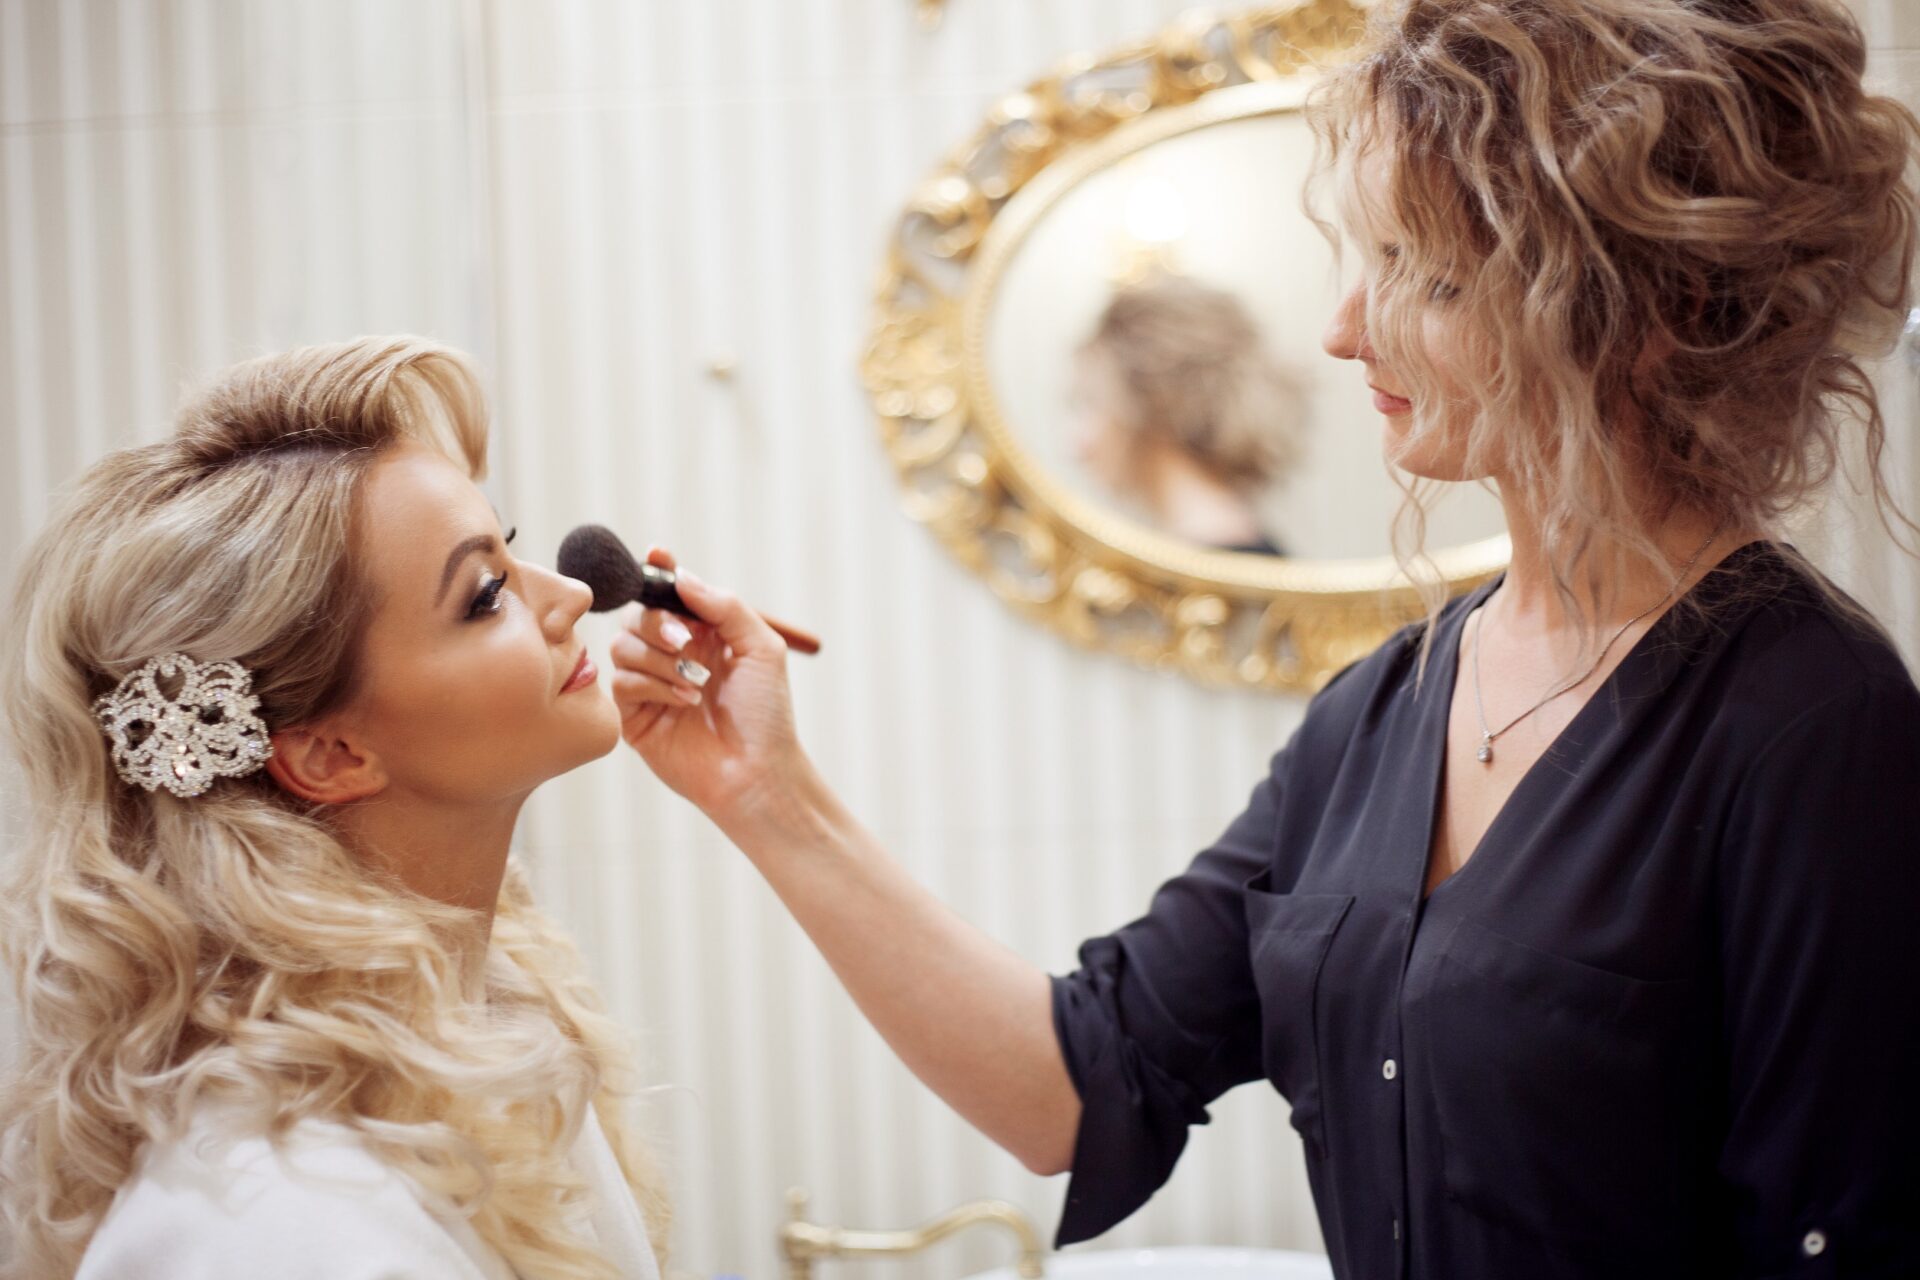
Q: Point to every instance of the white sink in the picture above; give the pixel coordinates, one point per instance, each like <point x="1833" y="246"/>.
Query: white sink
<point x="1189" y="1263"/>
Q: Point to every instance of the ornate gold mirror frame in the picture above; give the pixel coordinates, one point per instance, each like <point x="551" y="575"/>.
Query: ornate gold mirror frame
<point x="1226" y="618"/>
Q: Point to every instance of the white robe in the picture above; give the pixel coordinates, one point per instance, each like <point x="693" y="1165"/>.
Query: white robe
<point x="212" y="1206"/>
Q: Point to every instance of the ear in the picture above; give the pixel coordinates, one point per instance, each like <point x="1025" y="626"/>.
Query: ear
<point x="318" y="765"/>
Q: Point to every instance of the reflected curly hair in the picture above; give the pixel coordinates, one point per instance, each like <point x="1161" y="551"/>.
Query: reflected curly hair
<point x="231" y="946"/>
<point x="1198" y="374"/>
<point x="1675" y="231"/>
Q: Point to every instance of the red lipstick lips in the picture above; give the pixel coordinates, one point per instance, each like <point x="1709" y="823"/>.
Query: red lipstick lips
<point x="1388" y="403"/>
<point x="584" y="674"/>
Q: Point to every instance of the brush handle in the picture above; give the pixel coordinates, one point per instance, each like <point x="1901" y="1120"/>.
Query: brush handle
<point x="659" y="590"/>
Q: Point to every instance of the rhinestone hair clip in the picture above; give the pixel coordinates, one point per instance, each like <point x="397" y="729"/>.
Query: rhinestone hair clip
<point x="205" y="729"/>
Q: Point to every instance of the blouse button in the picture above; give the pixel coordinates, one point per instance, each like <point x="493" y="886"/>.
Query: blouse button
<point x="1388" y="1070"/>
<point x="1815" y="1243"/>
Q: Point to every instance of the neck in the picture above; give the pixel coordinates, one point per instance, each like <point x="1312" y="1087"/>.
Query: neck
<point x="1188" y="500"/>
<point x="451" y="853"/>
<point x="1608" y="584"/>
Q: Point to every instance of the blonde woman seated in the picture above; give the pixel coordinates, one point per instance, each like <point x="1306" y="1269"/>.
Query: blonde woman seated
<point x="277" y="689"/>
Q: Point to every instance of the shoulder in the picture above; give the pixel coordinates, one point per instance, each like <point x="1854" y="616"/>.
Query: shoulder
<point x="1797" y="665"/>
<point x="1815" y="753"/>
<point x="218" y="1202"/>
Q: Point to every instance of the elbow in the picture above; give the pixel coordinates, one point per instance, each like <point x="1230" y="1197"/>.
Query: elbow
<point x="1046" y="1163"/>
<point x="1050" y="1150"/>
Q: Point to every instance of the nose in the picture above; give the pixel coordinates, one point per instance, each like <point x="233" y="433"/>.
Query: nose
<point x="1346" y="333"/>
<point x="562" y="601"/>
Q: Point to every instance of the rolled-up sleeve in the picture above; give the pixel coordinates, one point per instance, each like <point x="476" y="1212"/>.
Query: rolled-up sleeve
<point x="1160" y="1019"/>
<point x="1820" y="898"/>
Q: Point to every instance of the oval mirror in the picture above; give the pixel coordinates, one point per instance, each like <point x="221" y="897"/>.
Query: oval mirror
<point x="1097" y="366"/>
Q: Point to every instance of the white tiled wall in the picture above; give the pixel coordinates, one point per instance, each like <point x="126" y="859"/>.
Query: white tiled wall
<point x="1889" y="24"/>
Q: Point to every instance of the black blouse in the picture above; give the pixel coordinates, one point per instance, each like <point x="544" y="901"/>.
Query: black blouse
<point x="1660" y="1024"/>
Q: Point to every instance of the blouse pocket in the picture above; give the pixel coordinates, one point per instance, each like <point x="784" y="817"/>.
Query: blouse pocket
<point x="1288" y="937"/>
<point x="1561" y="1091"/>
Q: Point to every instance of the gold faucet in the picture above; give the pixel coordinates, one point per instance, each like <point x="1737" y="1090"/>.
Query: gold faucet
<point x="802" y="1241"/>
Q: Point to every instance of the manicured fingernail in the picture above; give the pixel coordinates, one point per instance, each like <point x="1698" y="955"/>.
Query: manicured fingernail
<point x="690" y="696"/>
<point x="692" y="672"/>
<point x="675" y="633"/>
<point x="681" y="575"/>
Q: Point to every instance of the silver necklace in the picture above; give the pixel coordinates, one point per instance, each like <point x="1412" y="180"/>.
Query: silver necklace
<point x="1484" y="754"/>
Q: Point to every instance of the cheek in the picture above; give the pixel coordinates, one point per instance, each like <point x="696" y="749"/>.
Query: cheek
<point x="1098" y="449"/>
<point x="1437" y="452"/>
<point x="494" y="676"/>
<point x="1458" y="364"/>
<point x="480" y="716"/>
<point x="1086" y="431"/>
<point x="1107" y="444"/>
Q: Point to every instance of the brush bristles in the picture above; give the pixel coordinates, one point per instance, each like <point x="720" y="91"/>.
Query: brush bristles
<point x="595" y="555"/>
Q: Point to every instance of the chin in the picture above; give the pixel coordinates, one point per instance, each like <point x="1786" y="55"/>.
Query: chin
<point x="608" y="742"/>
<point x="604" y="735"/>
<point x="1429" y="457"/>
<point x="589" y="733"/>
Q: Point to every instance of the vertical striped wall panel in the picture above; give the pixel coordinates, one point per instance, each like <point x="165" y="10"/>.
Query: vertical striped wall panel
<point x="603" y="199"/>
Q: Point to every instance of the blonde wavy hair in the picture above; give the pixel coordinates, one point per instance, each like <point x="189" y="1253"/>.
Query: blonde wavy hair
<point x="1674" y="231"/>
<point x="1198" y="374"/>
<point x="230" y="946"/>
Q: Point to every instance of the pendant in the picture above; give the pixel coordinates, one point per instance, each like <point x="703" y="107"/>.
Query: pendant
<point x="1485" y="754"/>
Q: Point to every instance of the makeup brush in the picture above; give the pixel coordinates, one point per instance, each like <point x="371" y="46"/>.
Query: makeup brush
<point x="595" y="555"/>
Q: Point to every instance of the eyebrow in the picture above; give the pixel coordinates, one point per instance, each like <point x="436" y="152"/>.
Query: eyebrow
<point x="478" y="542"/>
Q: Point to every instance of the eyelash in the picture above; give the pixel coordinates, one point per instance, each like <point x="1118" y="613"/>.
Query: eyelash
<point x="1438" y="291"/>
<point x="487" y="603"/>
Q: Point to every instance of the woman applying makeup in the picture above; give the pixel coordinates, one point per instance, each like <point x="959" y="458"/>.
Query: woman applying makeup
<point x="1572" y="920"/>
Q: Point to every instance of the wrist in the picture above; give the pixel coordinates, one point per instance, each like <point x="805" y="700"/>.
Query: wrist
<point x="790" y="806"/>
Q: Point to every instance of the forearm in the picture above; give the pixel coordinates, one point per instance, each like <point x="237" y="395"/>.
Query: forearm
<point x="968" y="1016"/>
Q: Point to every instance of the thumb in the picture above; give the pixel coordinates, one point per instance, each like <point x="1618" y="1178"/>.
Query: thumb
<point x="744" y="630"/>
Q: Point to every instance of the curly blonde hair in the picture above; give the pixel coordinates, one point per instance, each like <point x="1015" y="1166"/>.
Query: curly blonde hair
<point x="1673" y="230"/>
<point x="230" y="946"/>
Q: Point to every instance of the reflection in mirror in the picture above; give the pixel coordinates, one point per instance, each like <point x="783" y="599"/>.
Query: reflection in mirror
<point x="1183" y="414"/>
<point x="1155" y="342"/>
